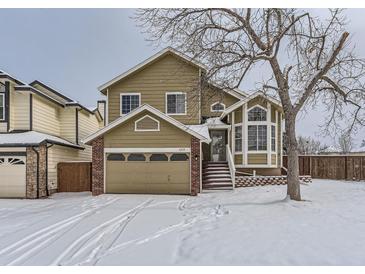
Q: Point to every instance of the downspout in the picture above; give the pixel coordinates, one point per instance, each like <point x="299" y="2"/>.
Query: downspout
<point x="37" y="153"/>
<point x="47" y="147"/>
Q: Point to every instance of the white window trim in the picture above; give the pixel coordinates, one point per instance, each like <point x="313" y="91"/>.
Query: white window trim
<point x="147" y="116"/>
<point x="126" y="94"/>
<point x="257" y="105"/>
<point x="3" y="95"/>
<point x="267" y="133"/>
<point x="265" y="109"/>
<point x="216" y="103"/>
<point x="175" y="93"/>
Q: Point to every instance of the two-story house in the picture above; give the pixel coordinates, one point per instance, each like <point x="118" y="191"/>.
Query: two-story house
<point x="169" y="131"/>
<point x="40" y="127"/>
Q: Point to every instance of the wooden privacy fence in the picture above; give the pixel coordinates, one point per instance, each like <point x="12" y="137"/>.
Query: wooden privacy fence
<point x="74" y="177"/>
<point x="340" y="167"/>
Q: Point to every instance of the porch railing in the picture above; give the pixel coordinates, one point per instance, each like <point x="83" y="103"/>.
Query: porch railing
<point x="231" y="166"/>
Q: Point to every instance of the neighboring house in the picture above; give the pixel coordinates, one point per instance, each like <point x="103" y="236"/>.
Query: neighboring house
<point x="168" y="131"/>
<point x="39" y="127"/>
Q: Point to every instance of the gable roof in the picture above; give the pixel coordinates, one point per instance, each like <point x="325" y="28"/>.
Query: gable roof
<point x="165" y="51"/>
<point x="237" y="93"/>
<point x="63" y="99"/>
<point x="247" y="99"/>
<point x="56" y="93"/>
<point x="187" y="128"/>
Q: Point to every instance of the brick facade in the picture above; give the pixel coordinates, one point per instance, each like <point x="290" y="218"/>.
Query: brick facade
<point x="195" y="166"/>
<point x="248" y="181"/>
<point x="97" y="185"/>
<point x="36" y="174"/>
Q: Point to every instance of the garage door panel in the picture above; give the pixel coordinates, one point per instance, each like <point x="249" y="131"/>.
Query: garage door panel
<point x="12" y="177"/>
<point x="156" y="177"/>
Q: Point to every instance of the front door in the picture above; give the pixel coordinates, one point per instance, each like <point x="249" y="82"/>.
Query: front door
<point x="218" y="145"/>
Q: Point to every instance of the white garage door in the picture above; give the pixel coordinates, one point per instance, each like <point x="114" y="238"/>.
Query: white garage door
<point x="12" y="176"/>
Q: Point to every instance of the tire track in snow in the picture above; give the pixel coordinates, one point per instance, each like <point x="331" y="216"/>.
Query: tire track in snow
<point x="88" y="240"/>
<point x="45" y="235"/>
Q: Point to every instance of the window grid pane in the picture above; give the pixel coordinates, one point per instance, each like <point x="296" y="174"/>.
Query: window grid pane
<point x="218" y="107"/>
<point x="171" y="103"/>
<point x="261" y="137"/>
<point x="252" y="137"/>
<point x="257" y="114"/>
<point x="176" y="103"/>
<point x="129" y="103"/>
<point x="2" y="106"/>
<point x="273" y="139"/>
<point x="238" y="138"/>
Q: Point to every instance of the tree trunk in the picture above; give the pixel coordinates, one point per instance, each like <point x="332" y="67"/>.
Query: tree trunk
<point x="293" y="162"/>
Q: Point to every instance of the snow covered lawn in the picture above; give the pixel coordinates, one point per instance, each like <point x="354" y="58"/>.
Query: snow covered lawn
<point x="250" y="226"/>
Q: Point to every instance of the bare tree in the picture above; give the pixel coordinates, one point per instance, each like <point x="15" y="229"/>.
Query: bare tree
<point x="310" y="59"/>
<point x="307" y="145"/>
<point x="345" y="142"/>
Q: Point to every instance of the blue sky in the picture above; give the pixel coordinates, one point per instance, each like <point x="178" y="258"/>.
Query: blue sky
<point x="76" y="50"/>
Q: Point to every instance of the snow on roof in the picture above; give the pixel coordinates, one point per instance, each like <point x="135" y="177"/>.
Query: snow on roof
<point x="202" y="130"/>
<point x="215" y="122"/>
<point x="32" y="138"/>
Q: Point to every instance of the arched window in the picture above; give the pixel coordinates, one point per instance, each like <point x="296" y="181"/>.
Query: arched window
<point x="257" y="114"/>
<point x="217" y="107"/>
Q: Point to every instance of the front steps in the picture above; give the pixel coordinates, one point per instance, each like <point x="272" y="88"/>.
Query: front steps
<point x="216" y="176"/>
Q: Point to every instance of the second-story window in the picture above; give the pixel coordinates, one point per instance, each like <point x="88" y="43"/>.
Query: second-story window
<point x="128" y="102"/>
<point x="2" y="106"/>
<point x="176" y="103"/>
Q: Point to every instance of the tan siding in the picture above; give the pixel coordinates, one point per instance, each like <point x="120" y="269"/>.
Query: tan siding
<point x="46" y="116"/>
<point x="125" y="136"/>
<point x="58" y="154"/>
<point x="273" y="159"/>
<point x="257" y="159"/>
<point x="166" y="74"/>
<point x="273" y="113"/>
<point x="19" y="111"/>
<point x="3" y="127"/>
<point x="257" y="101"/>
<point x="212" y="95"/>
<point x="68" y="124"/>
<point x="238" y="116"/>
<point x="238" y="159"/>
<point x="147" y="124"/>
<point x="88" y="124"/>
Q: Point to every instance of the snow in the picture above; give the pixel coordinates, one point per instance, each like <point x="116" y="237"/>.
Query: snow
<point x="30" y="137"/>
<point x="202" y="130"/>
<point x="247" y="226"/>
